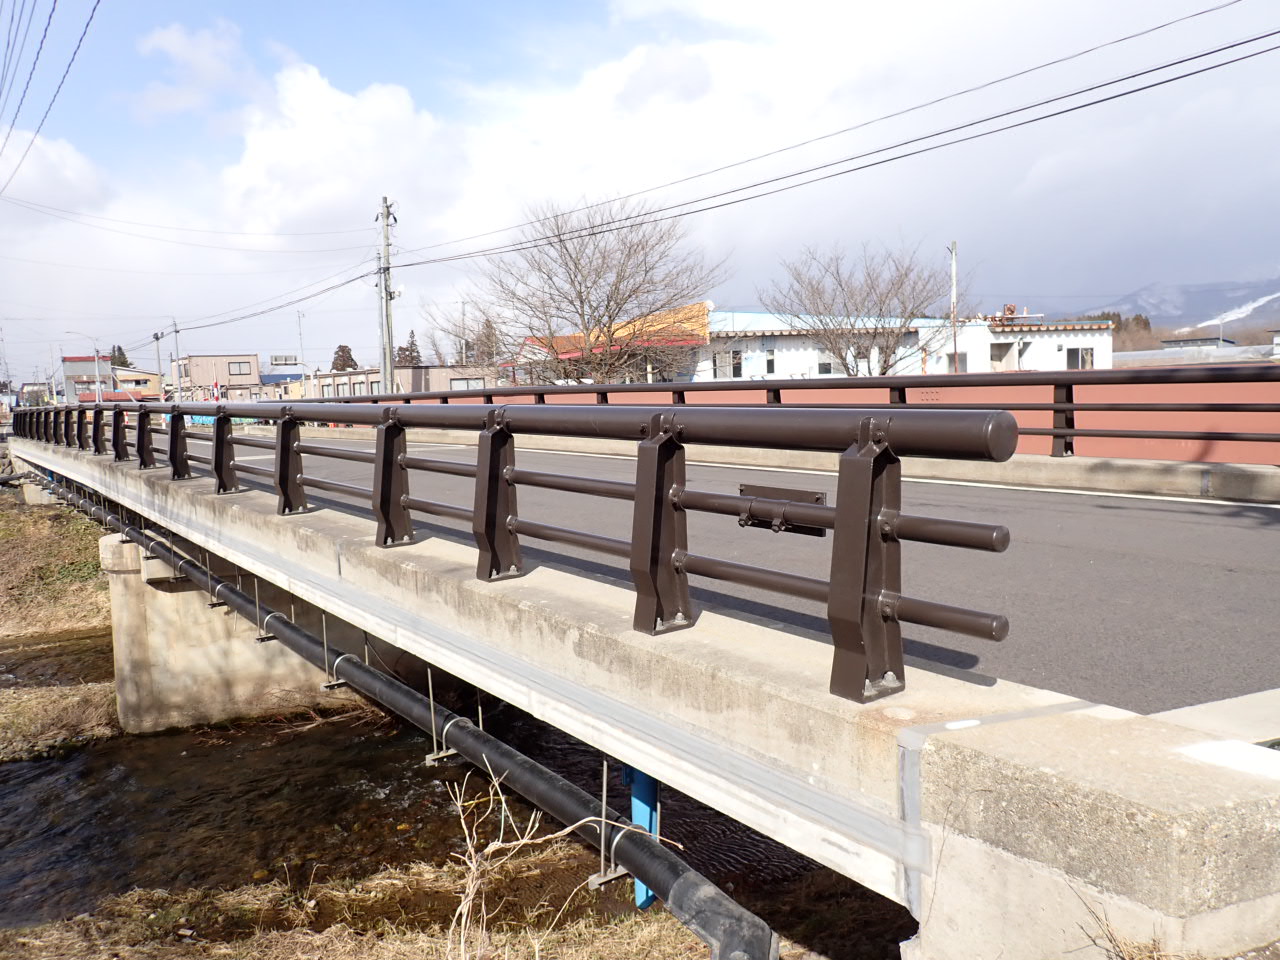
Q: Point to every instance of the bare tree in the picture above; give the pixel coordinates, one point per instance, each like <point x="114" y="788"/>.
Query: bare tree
<point x="862" y="310"/>
<point x="465" y="338"/>
<point x="590" y="299"/>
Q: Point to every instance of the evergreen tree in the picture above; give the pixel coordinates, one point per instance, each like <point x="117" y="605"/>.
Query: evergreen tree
<point x="409" y="355"/>
<point x="342" y="359"/>
<point x="118" y="357"/>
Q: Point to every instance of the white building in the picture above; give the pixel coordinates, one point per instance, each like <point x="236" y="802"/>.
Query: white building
<point x="748" y="345"/>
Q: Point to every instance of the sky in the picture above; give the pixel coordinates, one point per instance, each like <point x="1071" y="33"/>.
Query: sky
<point x="210" y="159"/>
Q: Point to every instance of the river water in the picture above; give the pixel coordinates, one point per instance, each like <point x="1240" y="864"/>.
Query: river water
<point x="339" y="799"/>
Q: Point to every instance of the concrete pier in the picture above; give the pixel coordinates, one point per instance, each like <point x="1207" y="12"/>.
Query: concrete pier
<point x="180" y="663"/>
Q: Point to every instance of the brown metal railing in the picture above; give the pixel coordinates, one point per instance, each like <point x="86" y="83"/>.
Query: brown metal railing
<point x="1222" y="413"/>
<point x="863" y="592"/>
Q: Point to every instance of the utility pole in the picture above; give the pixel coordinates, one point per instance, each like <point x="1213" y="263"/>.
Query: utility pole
<point x="955" y="339"/>
<point x="302" y="361"/>
<point x="177" y="384"/>
<point x="53" y="391"/>
<point x="159" y="368"/>
<point x="384" y="273"/>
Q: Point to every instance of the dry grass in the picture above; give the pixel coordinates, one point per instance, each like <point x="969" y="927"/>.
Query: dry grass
<point x="393" y="914"/>
<point x="37" y="720"/>
<point x="50" y="579"/>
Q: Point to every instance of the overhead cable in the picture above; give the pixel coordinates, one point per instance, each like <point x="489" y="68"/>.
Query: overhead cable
<point x="161" y="226"/>
<point x="181" y="243"/>
<point x="54" y="98"/>
<point x="858" y="126"/>
<point x="622" y="223"/>
<point x="13" y="122"/>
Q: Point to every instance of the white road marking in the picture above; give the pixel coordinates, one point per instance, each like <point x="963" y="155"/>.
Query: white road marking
<point x="954" y="483"/>
<point x="1164" y="498"/>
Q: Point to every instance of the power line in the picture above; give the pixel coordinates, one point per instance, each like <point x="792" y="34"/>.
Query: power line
<point x="167" y="273"/>
<point x="7" y="77"/>
<point x="54" y="98"/>
<point x="858" y="126"/>
<point x="182" y="243"/>
<point x="623" y="223"/>
<point x="648" y="215"/>
<point x="13" y="123"/>
<point x="161" y="226"/>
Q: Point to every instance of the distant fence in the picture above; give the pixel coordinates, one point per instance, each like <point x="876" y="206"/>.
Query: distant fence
<point x="1224" y="414"/>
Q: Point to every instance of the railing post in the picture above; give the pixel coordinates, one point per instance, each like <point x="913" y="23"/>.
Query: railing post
<point x="119" y="435"/>
<point x="866" y="568"/>
<point x="57" y="428"/>
<point x="1064" y="419"/>
<point x="99" y="441"/>
<point x="659" y="532"/>
<point x="82" y="439"/>
<point x="179" y="467"/>
<point x="898" y="396"/>
<point x="224" y="455"/>
<point x="290" y="494"/>
<point x="391" y="481"/>
<point x="142" y="437"/>
<point x="495" y="501"/>
<point x="68" y="430"/>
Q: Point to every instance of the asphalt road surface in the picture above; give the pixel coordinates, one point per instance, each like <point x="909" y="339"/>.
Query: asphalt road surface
<point x="1144" y="603"/>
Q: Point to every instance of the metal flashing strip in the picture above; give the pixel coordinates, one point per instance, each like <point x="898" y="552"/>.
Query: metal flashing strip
<point x="841" y="833"/>
<point x="911" y="741"/>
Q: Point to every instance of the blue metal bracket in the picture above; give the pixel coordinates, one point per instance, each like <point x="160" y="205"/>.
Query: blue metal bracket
<point x="644" y="814"/>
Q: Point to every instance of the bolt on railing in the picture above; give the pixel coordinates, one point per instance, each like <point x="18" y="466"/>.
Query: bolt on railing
<point x="862" y="594"/>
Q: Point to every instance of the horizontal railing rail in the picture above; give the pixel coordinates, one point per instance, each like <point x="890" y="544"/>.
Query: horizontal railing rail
<point x="863" y="596"/>
<point x="1228" y="412"/>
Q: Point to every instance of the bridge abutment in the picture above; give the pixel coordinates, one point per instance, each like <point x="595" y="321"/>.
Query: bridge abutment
<point x="180" y="662"/>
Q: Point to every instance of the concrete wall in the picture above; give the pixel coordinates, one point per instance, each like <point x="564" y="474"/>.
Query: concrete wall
<point x="1009" y="819"/>
<point x="180" y="663"/>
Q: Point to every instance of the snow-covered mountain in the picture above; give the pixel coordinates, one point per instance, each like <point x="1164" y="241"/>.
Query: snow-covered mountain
<point x="1251" y="304"/>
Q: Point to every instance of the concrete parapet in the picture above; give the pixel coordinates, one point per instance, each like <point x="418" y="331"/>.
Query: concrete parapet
<point x="1011" y="820"/>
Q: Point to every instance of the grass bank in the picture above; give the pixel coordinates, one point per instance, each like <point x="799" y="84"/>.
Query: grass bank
<point x="51" y="583"/>
<point x="38" y="721"/>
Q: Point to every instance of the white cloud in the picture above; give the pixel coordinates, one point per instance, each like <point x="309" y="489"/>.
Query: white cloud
<point x="203" y="65"/>
<point x="1119" y="195"/>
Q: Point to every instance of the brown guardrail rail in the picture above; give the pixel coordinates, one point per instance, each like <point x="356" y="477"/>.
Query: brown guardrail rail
<point x="863" y="592"/>
<point x="1226" y="413"/>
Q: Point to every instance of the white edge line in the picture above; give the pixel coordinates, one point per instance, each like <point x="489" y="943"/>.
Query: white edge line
<point x="693" y="461"/>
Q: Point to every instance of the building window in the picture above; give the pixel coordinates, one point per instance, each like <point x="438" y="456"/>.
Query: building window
<point x="239" y="368"/>
<point x="824" y="366"/>
<point x="342" y="388"/>
<point x="466" y="383"/>
<point x="375" y="386"/>
<point x="184" y="370"/>
<point x="727" y="363"/>
<point x="1080" y="358"/>
<point x="768" y="361"/>
<point x="957" y="363"/>
<point x="326" y="390"/>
